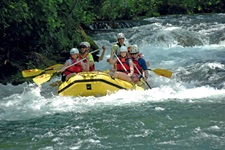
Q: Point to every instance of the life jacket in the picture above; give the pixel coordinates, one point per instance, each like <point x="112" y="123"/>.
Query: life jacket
<point x="91" y="68"/>
<point x="137" y="66"/>
<point x="125" y="62"/>
<point x="76" y="68"/>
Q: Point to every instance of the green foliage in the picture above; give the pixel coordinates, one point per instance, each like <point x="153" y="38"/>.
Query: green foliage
<point x="42" y="25"/>
<point x="123" y="9"/>
<point x="209" y="6"/>
<point x="131" y="9"/>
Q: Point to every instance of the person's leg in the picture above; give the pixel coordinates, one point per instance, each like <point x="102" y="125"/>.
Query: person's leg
<point x="70" y="75"/>
<point x="122" y="76"/>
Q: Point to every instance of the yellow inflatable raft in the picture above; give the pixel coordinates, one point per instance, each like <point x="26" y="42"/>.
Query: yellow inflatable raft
<point x="94" y="83"/>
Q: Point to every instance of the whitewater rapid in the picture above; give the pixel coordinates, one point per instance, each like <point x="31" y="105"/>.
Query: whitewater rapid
<point x="187" y="46"/>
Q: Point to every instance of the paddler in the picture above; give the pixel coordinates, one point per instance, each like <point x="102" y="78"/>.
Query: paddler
<point x="73" y="65"/>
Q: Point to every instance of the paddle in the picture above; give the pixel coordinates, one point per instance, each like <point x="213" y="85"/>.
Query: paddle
<point x="35" y="72"/>
<point x="142" y="76"/>
<point x="45" y="77"/>
<point x="120" y="63"/>
<point x="162" y="72"/>
<point x="42" y="78"/>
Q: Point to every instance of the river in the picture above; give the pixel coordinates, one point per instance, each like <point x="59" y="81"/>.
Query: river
<point x="184" y="112"/>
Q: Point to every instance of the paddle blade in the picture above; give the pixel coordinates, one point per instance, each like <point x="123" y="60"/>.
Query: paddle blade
<point x="53" y="69"/>
<point x="31" y="72"/>
<point x="35" y="72"/>
<point x="163" y="72"/>
<point x="42" y="78"/>
<point x="56" y="83"/>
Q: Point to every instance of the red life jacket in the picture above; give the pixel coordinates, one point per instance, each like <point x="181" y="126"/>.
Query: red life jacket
<point x="137" y="66"/>
<point x="125" y="62"/>
<point x="75" y="68"/>
<point x="91" y="68"/>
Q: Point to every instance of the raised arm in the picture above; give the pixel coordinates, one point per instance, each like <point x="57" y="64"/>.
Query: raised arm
<point x="111" y="59"/>
<point x="103" y="53"/>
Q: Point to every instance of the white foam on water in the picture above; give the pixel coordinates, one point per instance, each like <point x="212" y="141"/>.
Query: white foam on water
<point x="31" y="104"/>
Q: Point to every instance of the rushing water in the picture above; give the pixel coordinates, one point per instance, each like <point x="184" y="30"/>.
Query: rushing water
<point x="184" y="112"/>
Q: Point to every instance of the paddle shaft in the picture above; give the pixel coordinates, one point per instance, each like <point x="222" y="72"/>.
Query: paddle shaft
<point x="45" y="77"/>
<point x="80" y="60"/>
<point x="142" y="76"/>
<point x="74" y="64"/>
<point x="121" y="63"/>
<point x="35" y="72"/>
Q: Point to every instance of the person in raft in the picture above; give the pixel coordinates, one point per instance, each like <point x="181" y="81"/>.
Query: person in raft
<point x="95" y="54"/>
<point x="116" y="47"/>
<point x="73" y="65"/>
<point x="124" y="65"/>
<point x="140" y="66"/>
<point x="120" y="42"/>
<point x="84" y="53"/>
<point x="139" y="54"/>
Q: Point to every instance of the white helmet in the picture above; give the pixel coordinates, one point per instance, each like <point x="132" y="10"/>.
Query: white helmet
<point x="86" y="44"/>
<point x="123" y="49"/>
<point x="120" y="36"/>
<point x="134" y="49"/>
<point x="74" y="51"/>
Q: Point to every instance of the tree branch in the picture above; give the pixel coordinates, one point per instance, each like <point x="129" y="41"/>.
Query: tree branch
<point x="74" y="6"/>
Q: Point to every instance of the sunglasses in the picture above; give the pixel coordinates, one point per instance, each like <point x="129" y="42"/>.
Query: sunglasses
<point x="82" y="46"/>
<point x="133" y="53"/>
